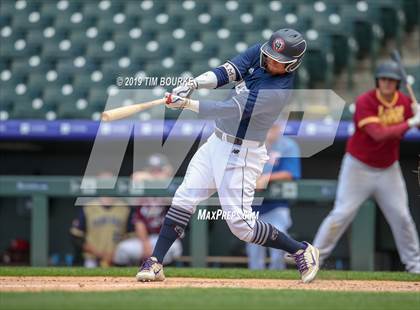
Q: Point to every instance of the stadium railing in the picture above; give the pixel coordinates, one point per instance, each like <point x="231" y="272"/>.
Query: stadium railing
<point x="41" y="188"/>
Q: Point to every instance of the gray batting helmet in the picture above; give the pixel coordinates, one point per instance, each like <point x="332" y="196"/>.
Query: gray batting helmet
<point x="285" y="46"/>
<point x="388" y="69"/>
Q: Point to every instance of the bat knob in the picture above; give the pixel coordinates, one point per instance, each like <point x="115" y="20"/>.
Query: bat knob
<point x="105" y="117"/>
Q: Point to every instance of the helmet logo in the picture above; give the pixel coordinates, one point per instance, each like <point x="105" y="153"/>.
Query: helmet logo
<point x="278" y="45"/>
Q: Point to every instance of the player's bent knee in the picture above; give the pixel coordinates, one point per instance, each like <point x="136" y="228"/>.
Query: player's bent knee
<point x="241" y="230"/>
<point x="187" y="199"/>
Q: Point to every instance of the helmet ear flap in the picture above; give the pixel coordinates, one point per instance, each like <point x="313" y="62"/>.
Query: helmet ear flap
<point x="293" y="66"/>
<point x="377" y="84"/>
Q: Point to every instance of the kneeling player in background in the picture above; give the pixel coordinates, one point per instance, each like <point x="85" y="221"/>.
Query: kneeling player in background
<point x="99" y="227"/>
<point x="148" y="218"/>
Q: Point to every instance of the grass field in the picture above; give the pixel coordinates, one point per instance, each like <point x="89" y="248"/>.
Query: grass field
<point x="209" y="298"/>
<point x="225" y="273"/>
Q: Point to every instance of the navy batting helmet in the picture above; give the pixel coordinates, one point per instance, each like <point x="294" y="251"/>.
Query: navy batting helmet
<point x="285" y="46"/>
<point x="388" y="69"/>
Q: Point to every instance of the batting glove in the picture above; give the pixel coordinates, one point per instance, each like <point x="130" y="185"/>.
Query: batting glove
<point x="186" y="89"/>
<point x="175" y="102"/>
<point x="415" y="107"/>
<point x="415" y="120"/>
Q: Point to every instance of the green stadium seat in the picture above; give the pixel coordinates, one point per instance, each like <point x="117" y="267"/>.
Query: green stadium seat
<point x="181" y="40"/>
<point x="34" y="36"/>
<point x="365" y="31"/>
<point x="20" y="7"/>
<point x="302" y="77"/>
<point x="56" y="9"/>
<point x="74" y="67"/>
<point x="289" y="20"/>
<point x="387" y="14"/>
<point x="7" y="8"/>
<point x="33" y="20"/>
<point x="94" y="9"/>
<point x="5" y="20"/>
<point x="19" y="47"/>
<point x="97" y="97"/>
<point x="81" y="88"/>
<point x="411" y="11"/>
<point x="273" y="10"/>
<point x="254" y="37"/>
<point x="227" y="52"/>
<point x="7" y="91"/>
<point x="133" y="37"/>
<point x="196" y="52"/>
<point x="226" y="9"/>
<point x="20" y="69"/>
<point x="79" y="108"/>
<point x="187" y="9"/>
<point x="132" y="8"/>
<point x="343" y="45"/>
<point x="53" y="94"/>
<point x="413" y="73"/>
<point x="160" y="22"/>
<point x="83" y="40"/>
<point x="37" y="82"/>
<point x="118" y="22"/>
<point x="6" y="107"/>
<point x="246" y="22"/>
<point x="318" y="55"/>
<point x="106" y="50"/>
<point x="155" y="69"/>
<point x="112" y="69"/>
<point x="4" y="64"/>
<point x="202" y="22"/>
<point x="199" y="68"/>
<point x="143" y="8"/>
<point x="152" y="50"/>
<point x="33" y="109"/>
<point x="221" y="38"/>
<point x="62" y="49"/>
<point x="74" y="21"/>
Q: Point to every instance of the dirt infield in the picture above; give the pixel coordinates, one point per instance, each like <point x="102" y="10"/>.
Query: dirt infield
<point x="80" y="284"/>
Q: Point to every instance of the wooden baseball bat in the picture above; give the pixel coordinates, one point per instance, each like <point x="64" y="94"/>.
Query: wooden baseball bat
<point x="123" y="112"/>
<point x="395" y="55"/>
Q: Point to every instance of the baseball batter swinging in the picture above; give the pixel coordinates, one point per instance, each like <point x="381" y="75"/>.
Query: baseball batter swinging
<point x="370" y="167"/>
<point x="234" y="156"/>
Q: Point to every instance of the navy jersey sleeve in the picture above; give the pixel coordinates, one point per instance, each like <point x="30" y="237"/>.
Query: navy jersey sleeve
<point x="245" y="60"/>
<point x="268" y="99"/>
<point x="240" y="64"/>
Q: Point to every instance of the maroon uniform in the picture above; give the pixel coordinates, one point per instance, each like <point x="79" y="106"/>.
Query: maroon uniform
<point x="372" y="108"/>
<point x="152" y="214"/>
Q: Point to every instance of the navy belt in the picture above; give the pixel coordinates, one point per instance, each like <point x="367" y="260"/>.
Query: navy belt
<point x="235" y="140"/>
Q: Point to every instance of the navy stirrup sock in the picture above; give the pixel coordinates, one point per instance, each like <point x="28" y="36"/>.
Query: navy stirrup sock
<point x="267" y="235"/>
<point x="173" y="227"/>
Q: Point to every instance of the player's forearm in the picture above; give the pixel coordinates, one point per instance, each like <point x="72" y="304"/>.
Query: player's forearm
<point x="216" y="77"/>
<point x="381" y="133"/>
<point x="89" y="248"/>
<point x="207" y="80"/>
<point x="281" y="176"/>
<point x="141" y="231"/>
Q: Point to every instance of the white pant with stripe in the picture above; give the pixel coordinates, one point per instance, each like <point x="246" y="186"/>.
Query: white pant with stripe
<point x="232" y="171"/>
<point x="356" y="183"/>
